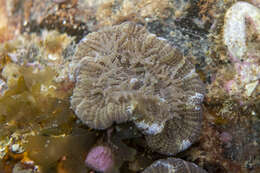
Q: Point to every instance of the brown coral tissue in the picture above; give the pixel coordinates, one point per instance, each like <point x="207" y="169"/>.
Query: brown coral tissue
<point x="173" y="165"/>
<point x="124" y="73"/>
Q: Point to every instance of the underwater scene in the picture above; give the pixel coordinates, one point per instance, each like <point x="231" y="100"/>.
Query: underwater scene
<point x="129" y="86"/>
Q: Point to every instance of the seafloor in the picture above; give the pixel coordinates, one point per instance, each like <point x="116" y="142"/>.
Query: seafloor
<point x="39" y="131"/>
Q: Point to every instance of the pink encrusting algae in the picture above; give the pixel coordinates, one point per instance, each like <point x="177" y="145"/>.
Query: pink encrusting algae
<point x="241" y="36"/>
<point x="100" y="158"/>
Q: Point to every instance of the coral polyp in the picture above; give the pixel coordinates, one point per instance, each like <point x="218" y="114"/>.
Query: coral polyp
<point x="173" y="165"/>
<point x="178" y="135"/>
<point x="124" y="73"/>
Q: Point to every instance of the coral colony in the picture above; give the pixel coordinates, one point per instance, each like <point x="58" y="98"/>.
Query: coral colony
<point x="124" y="73"/>
<point x="173" y="165"/>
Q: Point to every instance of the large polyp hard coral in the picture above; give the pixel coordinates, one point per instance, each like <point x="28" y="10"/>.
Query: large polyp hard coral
<point x="179" y="133"/>
<point x="124" y="73"/>
<point x="172" y="165"/>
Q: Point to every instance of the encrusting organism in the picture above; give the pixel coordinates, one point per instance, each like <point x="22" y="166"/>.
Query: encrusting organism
<point x="241" y="36"/>
<point x="100" y="158"/>
<point x="235" y="28"/>
<point x="124" y="73"/>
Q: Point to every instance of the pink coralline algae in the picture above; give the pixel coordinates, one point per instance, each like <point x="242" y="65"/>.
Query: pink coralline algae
<point x="246" y="79"/>
<point x="241" y="36"/>
<point x="100" y="158"/>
